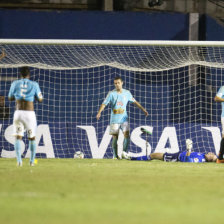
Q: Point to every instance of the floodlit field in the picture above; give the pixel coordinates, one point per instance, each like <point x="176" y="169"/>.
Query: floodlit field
<point x="109" y="191"/>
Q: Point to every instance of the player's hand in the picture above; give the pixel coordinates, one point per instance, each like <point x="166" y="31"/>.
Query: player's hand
<point x="98" y="116"/>
<point x="146" y="113"/>
<point x="3" y="53"/>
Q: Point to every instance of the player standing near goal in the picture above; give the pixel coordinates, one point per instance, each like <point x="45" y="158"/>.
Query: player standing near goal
<point x="118" y="99"/>
<point x="24" y="91"/>
<point x="220" y="98"/>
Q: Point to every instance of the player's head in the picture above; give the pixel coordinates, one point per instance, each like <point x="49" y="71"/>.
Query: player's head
<point x="210" y="157"/>
<point x="118" y="82"/>
<point x="25" y="72"/>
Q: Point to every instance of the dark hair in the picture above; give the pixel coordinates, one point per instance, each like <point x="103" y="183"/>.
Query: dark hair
<point x="117" y="78"/>
<point x="24" y="71"/>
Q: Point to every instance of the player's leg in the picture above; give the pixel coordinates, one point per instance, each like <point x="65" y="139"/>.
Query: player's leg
<point x="221" y="151"/>
<point x="156" y="155"/>
<point x="115" y="146"/>
<point x="125" y="129"/>
<point x="17" y="147"/>
<point x="18" y="132"/>
<point x="32" y="147"/>
<point x="170" y="157"/>
<point x="114" y="131"/>
<point x="126" y="141"/>
<point x="31" y="126"/>
<point x="152" y="156"/>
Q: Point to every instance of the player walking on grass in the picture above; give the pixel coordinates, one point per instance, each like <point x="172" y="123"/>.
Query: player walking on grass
<point x="118" y="99"/>
<point x="220" y="98"/>
<point x="24" y="91"/>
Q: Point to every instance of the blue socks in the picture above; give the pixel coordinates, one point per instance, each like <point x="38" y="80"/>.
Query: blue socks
<point x="32" y="147"/>
<point x="17" y="147"/>
<point x="114" y="146"/>
<point x="140" y="158"/>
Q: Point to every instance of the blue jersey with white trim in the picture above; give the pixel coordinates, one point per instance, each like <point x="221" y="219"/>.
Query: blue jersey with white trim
<point x="220" y="94"/>
<point x="25" y="89"/>
<point x="195" y="157"/>
<point x="118" y="102"/>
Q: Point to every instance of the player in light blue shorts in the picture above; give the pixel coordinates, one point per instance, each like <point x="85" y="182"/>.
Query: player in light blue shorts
<point x="118" y="100"/>
<point x="220" y="98"/>
<point x="24" y="91"/>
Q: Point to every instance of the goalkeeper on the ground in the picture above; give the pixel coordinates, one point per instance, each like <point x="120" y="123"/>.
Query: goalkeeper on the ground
<point x="118" y="99"/>
<point x="185" y="156"/>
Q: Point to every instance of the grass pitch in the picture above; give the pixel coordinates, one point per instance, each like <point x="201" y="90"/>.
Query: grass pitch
<point x="110" y="191"/>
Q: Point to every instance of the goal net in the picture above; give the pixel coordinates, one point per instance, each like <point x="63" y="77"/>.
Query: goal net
<point x="175" y="81"/>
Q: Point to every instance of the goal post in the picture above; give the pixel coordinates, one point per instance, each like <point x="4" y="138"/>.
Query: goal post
<point x="175" y="81"/>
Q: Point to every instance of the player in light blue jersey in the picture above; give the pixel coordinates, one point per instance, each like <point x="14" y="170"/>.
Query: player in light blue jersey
<point x="118" y="100"/>
<point x="25" y="91"/>
<point x="220" y="98"/>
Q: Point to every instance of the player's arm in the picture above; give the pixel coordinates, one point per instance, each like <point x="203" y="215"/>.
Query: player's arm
<point x="11" y="96"/>
<point x="189" y="146"/>
<point x="38" y="94"/>
<point x="218" y="99"/>
<point x="103" y="105"/>
<point x="141" y="107"/>
<point x="39" y="98"/>
<point x="3" y="54"/>
<point x="100" y="110"/>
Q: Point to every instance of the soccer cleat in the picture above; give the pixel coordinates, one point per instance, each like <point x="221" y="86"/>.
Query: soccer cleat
<point x="117" y="157"/>
<point x="31" y="164"/>
<point x="125" y="156"/>
<point x="220" y="161"/>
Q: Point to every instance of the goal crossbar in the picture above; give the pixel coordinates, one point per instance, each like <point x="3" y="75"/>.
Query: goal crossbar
<point x="114" y="42"/>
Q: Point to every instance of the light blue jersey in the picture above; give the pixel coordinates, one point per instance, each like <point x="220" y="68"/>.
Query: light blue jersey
<point x="25" y="89"/>
<point x="220" y="94"/>
<point x="118" y="102"/>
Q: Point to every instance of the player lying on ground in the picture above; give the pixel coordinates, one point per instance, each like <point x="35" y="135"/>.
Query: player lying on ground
<point x="186" y="156"/>
<point x="24" y="91"/>
<point x="118" y="99"/>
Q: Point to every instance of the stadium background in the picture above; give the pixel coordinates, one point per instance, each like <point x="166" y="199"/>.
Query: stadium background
<point x="28" y="24"/>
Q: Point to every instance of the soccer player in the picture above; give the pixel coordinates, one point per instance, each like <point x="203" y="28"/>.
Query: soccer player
<point x="24" y="91"/>
<point x="186" y="156"/>
<point x="118" y="99"/>
<point x="220" y="98"/>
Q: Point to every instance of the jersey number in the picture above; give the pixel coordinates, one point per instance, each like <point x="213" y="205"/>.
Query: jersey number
<point x="23" y="90"/>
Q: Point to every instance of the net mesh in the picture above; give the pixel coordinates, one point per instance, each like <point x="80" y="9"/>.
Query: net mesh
<point x="176" y="84"/>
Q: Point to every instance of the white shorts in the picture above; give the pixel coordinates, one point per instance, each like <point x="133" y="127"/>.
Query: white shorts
<point x="114" y="128"/>
<point x="222" y="121"/>
<point x="24" y="120"/>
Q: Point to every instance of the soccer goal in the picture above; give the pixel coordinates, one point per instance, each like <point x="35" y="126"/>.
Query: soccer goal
<point x="175" y="81"/>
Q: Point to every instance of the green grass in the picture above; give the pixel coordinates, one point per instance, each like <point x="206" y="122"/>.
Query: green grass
<point x="109" y="191"/>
